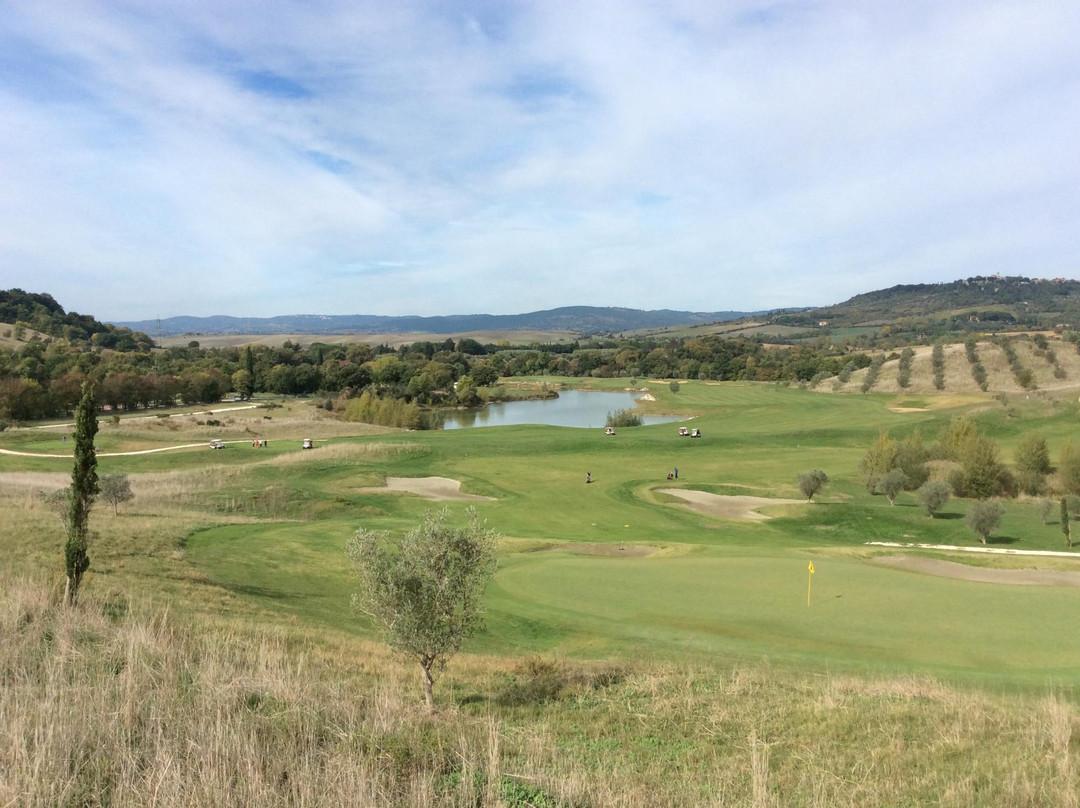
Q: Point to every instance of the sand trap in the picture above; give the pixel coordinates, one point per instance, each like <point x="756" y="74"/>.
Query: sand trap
<point x="909" y="409"/>
<point x="986" y="575"/>
<point x="437" y="488"/>
<point x="743" y="509"/>
<point x="606" y="550"/>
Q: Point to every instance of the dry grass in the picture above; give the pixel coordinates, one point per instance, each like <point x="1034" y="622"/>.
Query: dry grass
<point x="120" y="704"/>
<point x="958" y="377"/>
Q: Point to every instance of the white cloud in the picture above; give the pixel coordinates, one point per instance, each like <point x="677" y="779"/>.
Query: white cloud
<point x="436" y="158"/>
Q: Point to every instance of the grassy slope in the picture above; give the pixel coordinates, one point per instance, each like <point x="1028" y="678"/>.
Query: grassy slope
<point x="305" y="505"/>
<point x="732" y="691"/>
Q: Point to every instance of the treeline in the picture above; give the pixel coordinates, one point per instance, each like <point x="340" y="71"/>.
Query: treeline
<point x="41" y="378"/>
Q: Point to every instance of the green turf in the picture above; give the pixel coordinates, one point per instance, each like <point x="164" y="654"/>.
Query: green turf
<point x="719" y="587"/>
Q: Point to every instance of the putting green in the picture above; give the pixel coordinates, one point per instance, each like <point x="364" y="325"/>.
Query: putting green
<point x="757" y="606"/>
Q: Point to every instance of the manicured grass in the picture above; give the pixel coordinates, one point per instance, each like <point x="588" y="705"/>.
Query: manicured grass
<point x="734" y="589"/>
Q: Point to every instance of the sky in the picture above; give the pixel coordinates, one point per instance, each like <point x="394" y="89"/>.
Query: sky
<point x="449" y="157"/>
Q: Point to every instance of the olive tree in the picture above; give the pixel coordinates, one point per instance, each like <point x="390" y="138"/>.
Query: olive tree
<point x="892" y="483"/>
<point x="425" y="593"/>
<point x="84" y="488"/>
<point x="115" y="488"/>
<point x="933" y="495"/>
<point x="811" y="482"/>
<point x="983" y="517"/>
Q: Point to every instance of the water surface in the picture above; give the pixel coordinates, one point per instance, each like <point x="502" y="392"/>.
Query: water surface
<point x="575" y="408"/>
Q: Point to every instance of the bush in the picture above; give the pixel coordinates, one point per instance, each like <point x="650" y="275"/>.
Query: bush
<point x="623" y="418"/>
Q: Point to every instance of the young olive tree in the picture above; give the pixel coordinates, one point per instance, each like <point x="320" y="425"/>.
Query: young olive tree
<point x="425" y="593"/>
<point x="983" y="517"/>
<point x="892" y="483"/>
<point x="811" y="482"/>
<point x="115" y="488"/>
<point x="84" y="488"/>
<point x="933" y="495"/>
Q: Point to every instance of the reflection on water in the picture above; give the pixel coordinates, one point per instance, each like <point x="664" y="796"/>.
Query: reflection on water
<point x="572" y="408"/>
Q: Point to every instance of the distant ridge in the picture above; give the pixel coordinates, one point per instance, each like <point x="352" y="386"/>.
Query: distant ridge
<point x="576" y="319"/>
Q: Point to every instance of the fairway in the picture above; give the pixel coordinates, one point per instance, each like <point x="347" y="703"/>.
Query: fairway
<point x="711" y="583"/>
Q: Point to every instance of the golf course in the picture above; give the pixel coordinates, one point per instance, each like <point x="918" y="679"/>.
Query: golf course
<point x="700" y="584"/>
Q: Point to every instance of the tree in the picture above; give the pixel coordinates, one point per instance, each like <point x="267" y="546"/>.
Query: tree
<point x="425" y="594"/>
<point x="892" y="483"/>
<point x="673" y="386"/>
<point x="1065" y="527"/>
<point x="878" y="460"/>
<point x="1045" y="507"/>
<point x="1069" y="469"/>
<point x="811" y="482"/>
<point x="983" y="474"/>
<point x="115" y="488"/>
<point x="983" y="517"/>
<point x="933" y="495"/>
<point x="84" y="487"/>
<point x="1032" y="460"/>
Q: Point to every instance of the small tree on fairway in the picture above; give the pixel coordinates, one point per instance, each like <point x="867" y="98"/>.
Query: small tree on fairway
<point x="1065" y="527"/>
<point x="983" y="517"/>
<point x="811" y="482"/>
<point x="1045" y="507"/>
<point x="425" y="594"/>
<point x="892" y="483"/>
<point x="115" y="488"/>
<point x="933" y="495"/>
<point x="674" y="386"/>
<point x="84" y="487"/>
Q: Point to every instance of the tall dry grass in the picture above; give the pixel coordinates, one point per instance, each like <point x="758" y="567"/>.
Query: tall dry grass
<point x="110" y="705"/>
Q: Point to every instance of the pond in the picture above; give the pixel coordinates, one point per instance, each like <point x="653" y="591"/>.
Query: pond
<point x="575" y="408"/>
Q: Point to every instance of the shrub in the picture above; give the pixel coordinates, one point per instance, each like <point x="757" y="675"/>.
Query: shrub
<point x="623" y="418"/>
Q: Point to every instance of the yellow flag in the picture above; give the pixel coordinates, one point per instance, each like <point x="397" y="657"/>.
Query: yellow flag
<point x="811" y="567"/>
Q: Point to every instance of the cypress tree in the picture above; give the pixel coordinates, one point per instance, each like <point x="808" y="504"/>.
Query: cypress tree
<point x="1065" y="527"/>
<point x="84" y="487"/>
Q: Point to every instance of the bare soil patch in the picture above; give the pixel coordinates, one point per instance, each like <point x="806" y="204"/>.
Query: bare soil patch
<point x="738" y="508"/>
<point x="988" y="575"/>
<point x="434" y="488"/>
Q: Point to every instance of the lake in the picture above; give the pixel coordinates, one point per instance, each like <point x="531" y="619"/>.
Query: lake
<point x="572" y="408"/>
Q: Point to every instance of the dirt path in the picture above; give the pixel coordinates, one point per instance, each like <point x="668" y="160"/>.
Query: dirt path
<point x="434" y="488"/>
<point x="988" y="575"/>
<point x="739" y="508"/>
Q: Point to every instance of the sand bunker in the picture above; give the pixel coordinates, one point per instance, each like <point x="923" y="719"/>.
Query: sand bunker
<point x="743" y="509"/>
<point x="607" y="550"/>
<point x="987" y="575"/>
<point x="436" y="488"/>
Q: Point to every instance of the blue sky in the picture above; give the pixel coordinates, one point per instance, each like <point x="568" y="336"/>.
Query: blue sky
<point x="325" y="157"/>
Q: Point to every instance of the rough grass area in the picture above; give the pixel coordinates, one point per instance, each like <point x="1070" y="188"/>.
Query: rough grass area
<point x="111" y="704"/>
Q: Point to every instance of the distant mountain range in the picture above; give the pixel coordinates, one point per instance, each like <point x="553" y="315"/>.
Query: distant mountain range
<point x="576" y="319"/>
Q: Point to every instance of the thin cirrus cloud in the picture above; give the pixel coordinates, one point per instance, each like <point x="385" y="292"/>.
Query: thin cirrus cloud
<point x="440" y="158"/>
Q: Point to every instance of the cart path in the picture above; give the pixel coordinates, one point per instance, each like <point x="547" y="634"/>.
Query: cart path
<point x="203" y="444"/>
